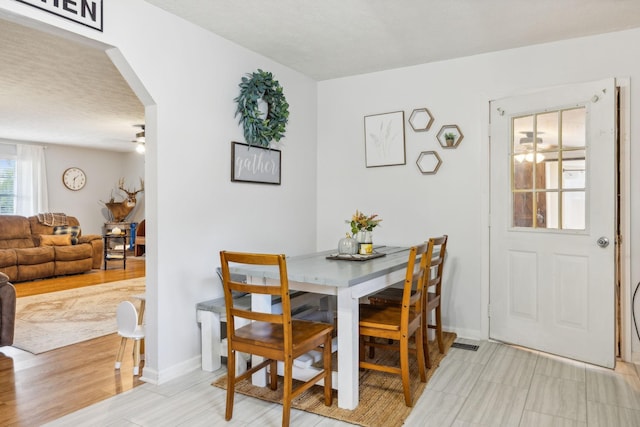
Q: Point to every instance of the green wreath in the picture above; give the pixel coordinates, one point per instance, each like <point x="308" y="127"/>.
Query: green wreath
<point x="259" y="130"/>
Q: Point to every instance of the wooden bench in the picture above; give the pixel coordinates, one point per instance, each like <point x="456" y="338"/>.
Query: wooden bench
<point x="212" y="314"/>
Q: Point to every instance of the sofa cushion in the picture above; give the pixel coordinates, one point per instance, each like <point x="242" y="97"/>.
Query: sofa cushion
<point x="73" y="230"/>
<point x="73" y="252"/>
<point x="52" y="240"/>
<point x="38" y="228"/>
<point x="33" y="256"/>
<point x="15" y="232"/>
<point x="7" y="257"/>
<point x="9" y="263"/>
<point x="35" y="271"/>
<point x="72" y="267"/>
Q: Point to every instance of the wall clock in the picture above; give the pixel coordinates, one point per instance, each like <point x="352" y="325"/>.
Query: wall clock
<point x="74" y="178"/>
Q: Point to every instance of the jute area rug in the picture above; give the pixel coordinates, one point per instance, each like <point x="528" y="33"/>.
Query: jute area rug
<point x="58" y="319"/>
<point x="381" y="396"/>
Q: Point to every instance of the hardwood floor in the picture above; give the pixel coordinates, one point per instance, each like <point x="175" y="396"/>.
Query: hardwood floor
<point x="135" y="268"/>
<point x="35" y="389"/>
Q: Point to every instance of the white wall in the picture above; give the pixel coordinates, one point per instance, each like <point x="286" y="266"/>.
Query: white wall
<point x="187" y="78"/>
<point x="455" y="200"/>
<point x="103" y="169"/>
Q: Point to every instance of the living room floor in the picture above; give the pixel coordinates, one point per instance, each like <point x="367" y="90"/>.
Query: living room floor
<point x="497" y="385"/>
<point x="35" y="389"/>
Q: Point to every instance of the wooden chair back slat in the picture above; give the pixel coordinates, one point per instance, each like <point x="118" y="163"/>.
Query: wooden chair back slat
<point x="257" y="316"/>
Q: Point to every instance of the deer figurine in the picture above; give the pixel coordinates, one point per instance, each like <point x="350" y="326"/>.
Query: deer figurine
<point x="120" y="210"/>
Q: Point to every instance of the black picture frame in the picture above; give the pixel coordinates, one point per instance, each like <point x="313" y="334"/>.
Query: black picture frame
<point x="255" y="164"/>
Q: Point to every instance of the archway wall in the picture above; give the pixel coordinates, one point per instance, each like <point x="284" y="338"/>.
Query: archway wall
<point x="187" y="78"/>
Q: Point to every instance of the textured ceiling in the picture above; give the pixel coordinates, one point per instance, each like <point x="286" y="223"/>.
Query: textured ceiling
<point x="334" y="38"/>
<point x="53" y="90"/>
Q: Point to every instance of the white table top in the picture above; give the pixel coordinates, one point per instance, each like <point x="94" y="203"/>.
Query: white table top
<point x="316" y="269"/>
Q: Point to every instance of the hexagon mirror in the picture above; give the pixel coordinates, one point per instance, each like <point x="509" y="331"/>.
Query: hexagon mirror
<point x="450" y="136"/>
<point x="420" y="120"/>
<point x="429" y="162"/>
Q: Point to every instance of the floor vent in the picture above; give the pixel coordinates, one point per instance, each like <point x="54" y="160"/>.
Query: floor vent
<point x="464" y="346"/>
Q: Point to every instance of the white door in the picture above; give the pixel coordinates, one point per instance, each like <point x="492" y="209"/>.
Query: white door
<point x="553" y="210"/>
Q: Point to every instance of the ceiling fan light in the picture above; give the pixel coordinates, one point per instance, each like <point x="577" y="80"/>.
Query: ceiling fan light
<point x="140" y="148"/>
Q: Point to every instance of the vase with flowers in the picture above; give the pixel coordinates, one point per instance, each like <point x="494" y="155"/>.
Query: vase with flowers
<point x="362" y="226"/>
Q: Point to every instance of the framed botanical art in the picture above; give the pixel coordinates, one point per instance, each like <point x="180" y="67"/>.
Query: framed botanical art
<point x="384" y="139"/>
<point x="252" y="163"/>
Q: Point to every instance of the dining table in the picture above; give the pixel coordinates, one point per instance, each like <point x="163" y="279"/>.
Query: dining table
<point x="348" y="278"/>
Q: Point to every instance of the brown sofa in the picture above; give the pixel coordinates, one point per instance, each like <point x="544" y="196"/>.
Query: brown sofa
<point x="28" y="250"/>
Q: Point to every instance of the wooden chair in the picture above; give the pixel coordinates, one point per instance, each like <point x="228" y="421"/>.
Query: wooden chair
<point x="139" y="246"/>
<point x="432" y="294"/>
<point x="129" y="328"/>
<point x="398" y="323"/>
<point x="276" y="337"/>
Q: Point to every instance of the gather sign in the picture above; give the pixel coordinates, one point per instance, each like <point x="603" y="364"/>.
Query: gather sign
<point x="251" y="163"/>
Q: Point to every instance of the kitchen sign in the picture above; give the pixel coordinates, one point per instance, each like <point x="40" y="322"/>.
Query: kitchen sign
<point x="85" y="12"/>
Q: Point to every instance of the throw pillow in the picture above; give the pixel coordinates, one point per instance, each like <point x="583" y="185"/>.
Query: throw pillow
<point x="73" y="230"/>
<point x="51" y="240"/>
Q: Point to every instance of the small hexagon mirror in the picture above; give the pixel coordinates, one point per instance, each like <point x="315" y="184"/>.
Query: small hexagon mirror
<point x="420" y="120"/>
<point x="450" y="136"/>
<point x="429" y="162"/>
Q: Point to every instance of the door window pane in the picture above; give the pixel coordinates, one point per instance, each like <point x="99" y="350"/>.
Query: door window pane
<point x="573" y="173"/>
<point x="523" y="209"/>
<point x="547" y="131"/>
<point x="547" y="210"/>
<point x="574" y="127"/>
<point x="573" y="212"/>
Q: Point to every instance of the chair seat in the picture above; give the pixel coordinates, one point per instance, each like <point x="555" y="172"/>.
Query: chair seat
<point x="271" y="335"/>
<point x="383" y="317"/>
<point x="388" y="295"/>
<point x="136" y="334"/>
<point x="394" y="295"/>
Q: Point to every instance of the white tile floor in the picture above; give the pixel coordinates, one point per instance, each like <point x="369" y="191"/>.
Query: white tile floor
<point x="497" y="385"/>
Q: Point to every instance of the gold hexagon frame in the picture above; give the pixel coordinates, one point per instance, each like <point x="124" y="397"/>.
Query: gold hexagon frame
<point x="450" y="130"/>
<point x="420" y="120"/>
<point x="429" y="162"/>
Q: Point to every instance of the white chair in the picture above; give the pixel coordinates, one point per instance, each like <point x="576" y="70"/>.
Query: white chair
<point x="128" y="328"/>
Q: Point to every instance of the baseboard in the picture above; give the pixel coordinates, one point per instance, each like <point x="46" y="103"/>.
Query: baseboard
<point x="472" y="334"/>
<point x="153" y="376"/>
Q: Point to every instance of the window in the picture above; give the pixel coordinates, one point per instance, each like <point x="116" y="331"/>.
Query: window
<point x="548" y="160"/>
<point x="7" y="184"/>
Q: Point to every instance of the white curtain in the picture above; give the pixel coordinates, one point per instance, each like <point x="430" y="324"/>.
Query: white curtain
<point x="31" y="180"/>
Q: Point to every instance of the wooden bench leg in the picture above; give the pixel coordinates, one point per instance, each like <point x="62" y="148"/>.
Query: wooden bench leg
<point x="211" y="340"/>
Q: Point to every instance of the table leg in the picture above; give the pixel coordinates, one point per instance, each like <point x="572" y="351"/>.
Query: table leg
<point x="348" y="366"/>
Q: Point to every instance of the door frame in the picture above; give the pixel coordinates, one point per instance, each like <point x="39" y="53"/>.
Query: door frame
<point x="624" y="297"/>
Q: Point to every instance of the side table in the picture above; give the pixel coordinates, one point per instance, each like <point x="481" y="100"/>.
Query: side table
<point x="115" y="248"/>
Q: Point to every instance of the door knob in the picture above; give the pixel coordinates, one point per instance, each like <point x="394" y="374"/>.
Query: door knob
<point x="603" y="242"/>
